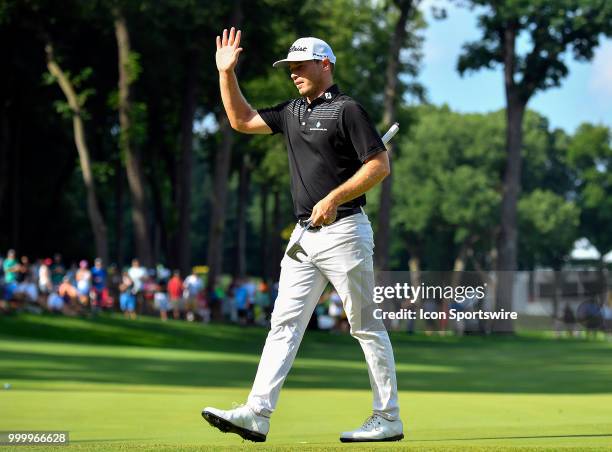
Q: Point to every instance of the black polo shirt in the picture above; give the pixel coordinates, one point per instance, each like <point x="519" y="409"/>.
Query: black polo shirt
<point x="328" y="140"/>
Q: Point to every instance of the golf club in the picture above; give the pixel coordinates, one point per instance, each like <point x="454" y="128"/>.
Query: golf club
<point x="297" y="248"/>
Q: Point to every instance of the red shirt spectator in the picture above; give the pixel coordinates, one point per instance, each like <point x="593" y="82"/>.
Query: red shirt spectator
<point x="175" y="287"/>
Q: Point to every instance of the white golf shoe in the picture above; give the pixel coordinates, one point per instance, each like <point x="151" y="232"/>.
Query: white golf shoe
<point x="241" y="420"/>
<point x="375" y="428"/>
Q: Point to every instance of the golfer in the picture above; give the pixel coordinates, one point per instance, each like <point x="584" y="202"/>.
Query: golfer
<point x="335" y="156"/>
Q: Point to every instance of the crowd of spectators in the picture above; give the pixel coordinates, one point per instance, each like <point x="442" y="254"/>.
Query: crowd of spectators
<point x="49" y="285"/>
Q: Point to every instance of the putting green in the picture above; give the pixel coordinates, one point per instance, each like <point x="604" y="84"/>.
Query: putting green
<point x="472" y="393"/>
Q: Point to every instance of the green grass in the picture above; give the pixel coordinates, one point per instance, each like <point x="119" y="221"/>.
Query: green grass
<point x="121" y="385"/>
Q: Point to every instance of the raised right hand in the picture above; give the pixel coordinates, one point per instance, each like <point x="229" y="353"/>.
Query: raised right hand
<point x="228" y="50"/>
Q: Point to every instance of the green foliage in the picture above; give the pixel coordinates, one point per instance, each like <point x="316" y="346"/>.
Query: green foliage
<point x="469" y="201"/>
<point x="133" y="67"/>
<point x="362" y="48"/>
<point x="446" y="175"/>
<point x="82" y="93"/>
<point x="62" y="107"/>
<point x="112" y="99"/>
<point x="81" y="77"/>
<point x="103" y="172"/>
<point x="590" y="156"/>
<point x="448" y="183"/>
<point x="549" y="228"/>
<point x="274" y="167"/>
<point x="551" y="28"/>
<point x="48" y="78"/>
<point x="138" y="126"/>
<point x="447" y="168"/>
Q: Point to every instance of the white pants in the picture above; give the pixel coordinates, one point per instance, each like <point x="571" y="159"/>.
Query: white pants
<point x="340" y="253"/>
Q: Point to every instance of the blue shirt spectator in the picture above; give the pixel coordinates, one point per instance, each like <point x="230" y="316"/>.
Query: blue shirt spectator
<point x="98" y="275"/>
<point x="241" y="297"/>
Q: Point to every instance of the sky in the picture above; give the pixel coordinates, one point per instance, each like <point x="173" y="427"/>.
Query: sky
<point x="585" y="94"/>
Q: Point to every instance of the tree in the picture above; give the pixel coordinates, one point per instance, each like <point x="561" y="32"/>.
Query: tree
<point x="549" y="227"/>
<point x="75" y="108"/>
<point x="128" y="73"/>
<point x="590" y="156"/>
<point x="408" y="13"/>
<point x="553" y="28"/>
<point x="180" y="88"/>
<point x="448" y="190"/>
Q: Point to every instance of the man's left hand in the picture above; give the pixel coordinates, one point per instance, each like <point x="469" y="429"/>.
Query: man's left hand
<point x="324" y="212"/>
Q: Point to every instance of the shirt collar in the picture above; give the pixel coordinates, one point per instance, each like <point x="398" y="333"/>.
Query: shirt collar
<point x="328" y="96"/>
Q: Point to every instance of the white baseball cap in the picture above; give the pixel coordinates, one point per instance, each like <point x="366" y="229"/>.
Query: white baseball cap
<point x="305" y="49"/>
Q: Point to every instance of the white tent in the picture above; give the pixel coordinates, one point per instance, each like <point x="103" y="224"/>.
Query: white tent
<point x="583" y="250"/>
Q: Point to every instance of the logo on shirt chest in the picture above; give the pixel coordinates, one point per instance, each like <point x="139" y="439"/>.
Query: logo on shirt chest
<point x="317" y="127"/>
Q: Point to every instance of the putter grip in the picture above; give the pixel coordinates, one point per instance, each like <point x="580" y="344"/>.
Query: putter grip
<point x="390" y="133"/>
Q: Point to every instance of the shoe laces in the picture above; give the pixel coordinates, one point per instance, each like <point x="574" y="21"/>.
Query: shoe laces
<point x="371" y="421"/>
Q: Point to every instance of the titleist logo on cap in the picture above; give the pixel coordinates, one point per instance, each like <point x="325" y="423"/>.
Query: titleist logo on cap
<point x="305" y="49"/>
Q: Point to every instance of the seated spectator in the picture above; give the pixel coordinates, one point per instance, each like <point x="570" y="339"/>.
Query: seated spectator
<point x="67" y="291"/>
<point x="127" y="298"/>
<point x="83" y="282"/>
<point x="161" y="302"/>
<point x="26" y="291"/>
<point x="55" y="303"/>
<point x="23" y="271"/>
<point x="58" y="271"/>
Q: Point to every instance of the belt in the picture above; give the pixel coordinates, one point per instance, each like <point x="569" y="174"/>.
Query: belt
<point x="342" y="214"/>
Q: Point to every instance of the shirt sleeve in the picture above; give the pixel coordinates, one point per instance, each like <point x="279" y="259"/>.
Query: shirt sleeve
<point x="274" y="117"/>
<point x="358" y="129"/>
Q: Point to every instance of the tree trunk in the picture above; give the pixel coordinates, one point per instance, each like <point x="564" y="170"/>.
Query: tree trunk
<point x="508" y="238"/>
<point x="119" y="213"/>
<point x="186" y="163"/>
<point x="603" y="279"/>
<point x="557" y="284"/>
<point x="16" y="185"/>
<point x="414" y="265"/>
<point x="275" y="242"/>
<point x="383" y="233"/>
<point x="222" y="167"/>
<point x="132" y="155"/>
<point x="219" y="201"/>
<point x="4" y="152"/>
<point x="160" y="222"/>
<point x="243" y="197"/>
<point x="459" y="265"/>
<point x="265" y="255"/>
<point x="98" y="225"/>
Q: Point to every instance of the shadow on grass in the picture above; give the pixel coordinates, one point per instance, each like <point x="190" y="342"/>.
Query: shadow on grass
<point x="472" y="364"/>
<point x="595" y="435"/>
